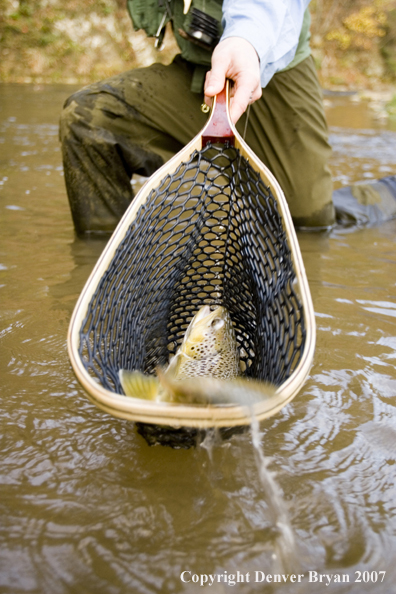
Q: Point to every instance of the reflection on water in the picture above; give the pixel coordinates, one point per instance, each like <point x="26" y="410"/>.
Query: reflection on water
<point x="362" y="156"/>
<point x="87" y="506"/>
<point x="363" y="148"/>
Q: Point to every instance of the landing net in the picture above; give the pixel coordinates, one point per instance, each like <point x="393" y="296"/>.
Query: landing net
<point x="210" y="233"/>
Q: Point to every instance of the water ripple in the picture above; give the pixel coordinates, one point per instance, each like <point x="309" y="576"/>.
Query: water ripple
<point x="87" y="506"/>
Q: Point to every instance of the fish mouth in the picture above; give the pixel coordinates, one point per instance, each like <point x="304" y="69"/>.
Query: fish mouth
<point x="205" y="318"/>
<point x="214" y="319"/>
<point x="205" y="314"/>
<point x="219" y="312"/>
<point x="202" y="313"/>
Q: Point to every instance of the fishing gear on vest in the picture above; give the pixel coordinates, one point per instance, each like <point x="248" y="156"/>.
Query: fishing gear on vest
<point x="196" y="24"/>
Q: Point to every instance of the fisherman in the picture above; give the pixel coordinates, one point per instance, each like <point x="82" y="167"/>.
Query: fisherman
<point x="135" y="121"/>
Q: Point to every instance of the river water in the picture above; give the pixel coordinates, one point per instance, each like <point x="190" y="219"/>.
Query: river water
<point x="88" y="507"/>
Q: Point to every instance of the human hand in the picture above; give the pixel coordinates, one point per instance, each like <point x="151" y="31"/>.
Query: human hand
<point x="234" y="58"/>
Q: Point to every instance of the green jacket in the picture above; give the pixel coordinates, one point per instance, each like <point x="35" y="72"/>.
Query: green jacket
<point x="153" y="15"/>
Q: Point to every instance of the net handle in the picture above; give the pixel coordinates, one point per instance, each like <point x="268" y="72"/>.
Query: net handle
<point x="219" y="127"/>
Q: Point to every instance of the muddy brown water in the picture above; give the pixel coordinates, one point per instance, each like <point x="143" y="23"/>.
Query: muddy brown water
<point x="87" y="506"/>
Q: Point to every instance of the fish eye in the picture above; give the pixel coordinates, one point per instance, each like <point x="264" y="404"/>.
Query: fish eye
<point x="217" y="323"/>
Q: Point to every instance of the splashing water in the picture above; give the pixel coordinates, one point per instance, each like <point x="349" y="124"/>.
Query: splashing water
<point x="285" y="556"/>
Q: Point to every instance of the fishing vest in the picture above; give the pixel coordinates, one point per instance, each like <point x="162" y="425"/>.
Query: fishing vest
<point x="153" y="15"/>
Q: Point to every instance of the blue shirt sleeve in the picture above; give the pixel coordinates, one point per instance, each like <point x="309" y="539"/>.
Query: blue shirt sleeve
<point x="271" y="26"/>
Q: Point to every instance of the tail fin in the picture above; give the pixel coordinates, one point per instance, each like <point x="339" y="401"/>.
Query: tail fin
<point x="207" y="390"/>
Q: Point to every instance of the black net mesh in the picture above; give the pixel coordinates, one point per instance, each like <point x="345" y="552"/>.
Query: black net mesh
<point x="210" y="233"/>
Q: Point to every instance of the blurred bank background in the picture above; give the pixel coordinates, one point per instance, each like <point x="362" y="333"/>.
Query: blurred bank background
<point x="51" y="41"/>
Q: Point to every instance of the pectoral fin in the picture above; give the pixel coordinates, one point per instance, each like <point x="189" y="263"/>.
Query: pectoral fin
<point x="138" y="385"/>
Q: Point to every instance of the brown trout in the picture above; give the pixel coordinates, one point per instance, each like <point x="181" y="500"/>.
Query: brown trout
<point x="204" y="370"/>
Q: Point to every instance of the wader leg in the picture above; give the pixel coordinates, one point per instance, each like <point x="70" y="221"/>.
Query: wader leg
<point x="287" y="130"/>
<point x="131" y="123"/>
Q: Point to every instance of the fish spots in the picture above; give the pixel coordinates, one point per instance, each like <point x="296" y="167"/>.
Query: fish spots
<point x="209" y="350"/>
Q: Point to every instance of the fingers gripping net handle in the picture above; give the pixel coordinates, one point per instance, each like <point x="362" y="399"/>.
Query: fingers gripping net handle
<point x="219" y="128"/>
